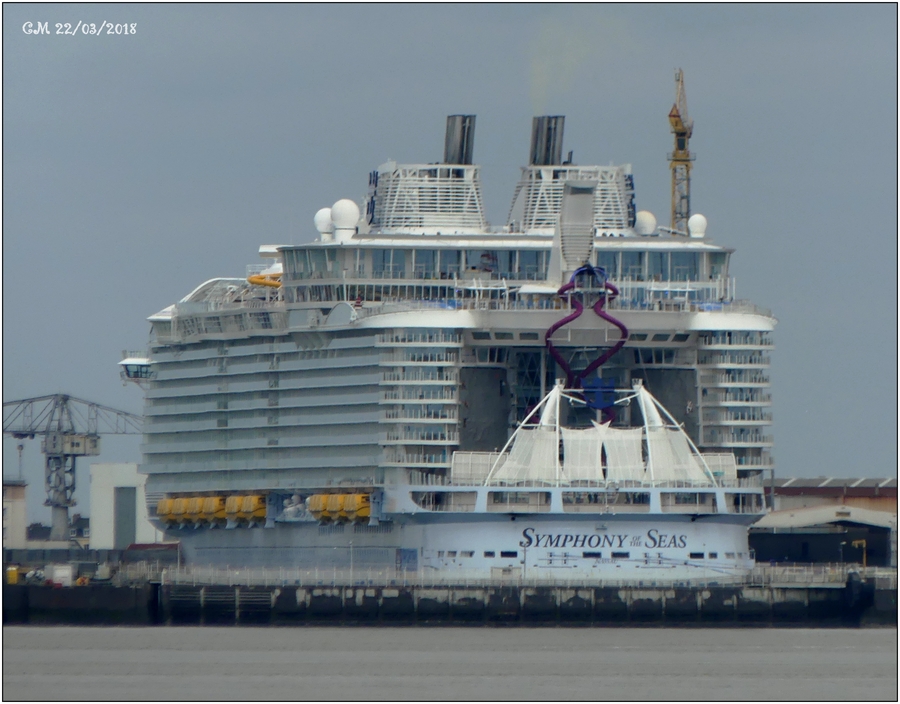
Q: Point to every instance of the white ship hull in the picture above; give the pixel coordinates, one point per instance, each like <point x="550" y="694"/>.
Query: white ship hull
<point x="595" y="547"/>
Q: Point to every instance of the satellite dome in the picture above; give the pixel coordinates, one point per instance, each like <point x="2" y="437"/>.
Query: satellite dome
<point x="645" y="223"/>
<point x="345" y="214"/>
<point x="697" y="225"/>
<point x="323" y="220"/>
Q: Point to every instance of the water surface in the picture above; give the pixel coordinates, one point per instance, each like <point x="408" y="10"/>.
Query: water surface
<point x="416" y="663"/>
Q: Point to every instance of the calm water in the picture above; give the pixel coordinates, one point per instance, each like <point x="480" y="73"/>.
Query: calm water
<point x="355" y="663"/>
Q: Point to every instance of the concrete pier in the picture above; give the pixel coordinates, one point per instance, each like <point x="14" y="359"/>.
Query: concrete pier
<point x="855" y="603"/>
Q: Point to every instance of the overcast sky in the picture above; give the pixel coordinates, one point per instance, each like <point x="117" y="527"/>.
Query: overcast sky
<point x="137" y="166"/>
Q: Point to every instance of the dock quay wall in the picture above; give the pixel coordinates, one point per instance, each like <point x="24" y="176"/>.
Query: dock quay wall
<point x="855" y="603"/>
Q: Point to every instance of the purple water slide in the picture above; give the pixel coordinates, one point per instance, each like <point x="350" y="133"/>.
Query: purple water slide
<point x="610" y="293"/>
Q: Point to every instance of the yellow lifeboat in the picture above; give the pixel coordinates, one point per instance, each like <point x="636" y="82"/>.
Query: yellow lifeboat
<point x="253" y="507"/>
<point x="164" y="510"/>
<point x="233" y="506"/>
<point x="357" y="507"/>
<point x="179" y="510"/>
<point x="194" y="511"/>
<point x="214" y="509"/>
<point x="315" y="504"/>
<point x="335" y="507"/>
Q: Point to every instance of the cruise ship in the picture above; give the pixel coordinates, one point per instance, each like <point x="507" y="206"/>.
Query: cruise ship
<point x="576" y="391"/>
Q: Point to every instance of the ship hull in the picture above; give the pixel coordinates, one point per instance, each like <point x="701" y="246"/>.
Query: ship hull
<point x="601" y="546"/>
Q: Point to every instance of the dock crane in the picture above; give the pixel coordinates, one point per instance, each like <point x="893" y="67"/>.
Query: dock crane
<point x="680" y="159"/>
<point x="69" y="428"/>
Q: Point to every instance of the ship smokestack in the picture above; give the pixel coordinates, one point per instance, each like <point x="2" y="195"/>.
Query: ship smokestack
<point x="460" y="139"/>
<point x="547" y="140"/>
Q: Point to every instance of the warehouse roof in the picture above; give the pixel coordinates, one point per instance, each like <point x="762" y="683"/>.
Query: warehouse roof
<point x="820" y="515"/>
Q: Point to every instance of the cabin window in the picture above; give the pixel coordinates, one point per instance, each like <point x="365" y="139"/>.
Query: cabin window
<point x="509" y="553"/>
<point x="713" y="556"/>
<point x="680" y="337"/>
<point x="595" y="555"/>
<point x="621" y="555"/>
<point x="528" y="336"/>
<point x="451" y="553"/>
<point x="488" y="553"/>
<point x="467" y="553"/>
<point x="696" y="555"/>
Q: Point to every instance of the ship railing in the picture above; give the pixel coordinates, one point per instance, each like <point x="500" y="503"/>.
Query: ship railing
<point x="408" y="357"/>
<point x="505" y="303"/>
<point x="423" y="436"/>
<point x="827" y="575"/>
<point x="418" y="338"/>
<point x="422" y="394"/>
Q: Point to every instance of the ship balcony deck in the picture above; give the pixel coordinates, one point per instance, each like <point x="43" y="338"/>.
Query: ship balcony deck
<point x="449" y="415"/>
<point x="422" y="438"/>
<point x="415" y="339"/>
<point x="428" y="395"/>
<point x="419" y="377"/>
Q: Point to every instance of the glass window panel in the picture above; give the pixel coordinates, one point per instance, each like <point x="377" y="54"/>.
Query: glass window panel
<point x="481" y="260"/>
<point x="505" y="262"/>
<point x="318" y="260"/>
<point x="633" y="265"/>
<point x="718" y="264"/>
<point x="529" y="266"/>
<point x="449" y="262"/>
<point x="685" y="266"/>
<point x="610" y="262"/>
<point x="425" y="259"/>
<point x="381" y="259"/>
<point x="658" y="264"/>
<point x="398" y="265"/>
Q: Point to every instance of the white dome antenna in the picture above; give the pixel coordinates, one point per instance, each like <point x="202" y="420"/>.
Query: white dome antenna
<point x="345" y="216"/>
<point x="645" y="223"/>
<point x="323" y="223"/>
<point x="697" y="225"/>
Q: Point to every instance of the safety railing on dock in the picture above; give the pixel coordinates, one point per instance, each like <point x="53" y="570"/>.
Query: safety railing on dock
<point x="833" y="575"/>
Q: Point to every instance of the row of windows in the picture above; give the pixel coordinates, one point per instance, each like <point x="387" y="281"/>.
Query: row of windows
<point x="512" y="264"/>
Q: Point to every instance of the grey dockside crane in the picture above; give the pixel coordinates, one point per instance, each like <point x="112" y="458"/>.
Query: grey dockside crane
<point x="69" y="428"/>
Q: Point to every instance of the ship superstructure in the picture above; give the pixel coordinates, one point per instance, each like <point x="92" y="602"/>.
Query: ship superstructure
<point x="379" y="360"/>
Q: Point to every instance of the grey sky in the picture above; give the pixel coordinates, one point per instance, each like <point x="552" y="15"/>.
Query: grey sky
<point x="138" y="166"/>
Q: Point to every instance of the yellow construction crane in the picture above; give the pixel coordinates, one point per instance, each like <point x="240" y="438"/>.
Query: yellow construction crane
<point x="680" y="158"/>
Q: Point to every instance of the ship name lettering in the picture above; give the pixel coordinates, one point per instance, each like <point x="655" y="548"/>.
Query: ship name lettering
<point x="581" y="540"/>
<point x="655" y="539"/>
